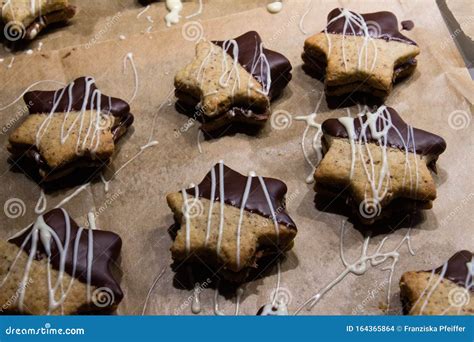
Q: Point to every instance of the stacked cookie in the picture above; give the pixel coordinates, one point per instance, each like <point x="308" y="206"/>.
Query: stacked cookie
<point x="25" y="19"/>
<point x="360" y="53"/>
<point x="57" y="267"/>
<point x="229" y="84"/>
<point x="231" y="221"/>
<point x="73" y="129"/>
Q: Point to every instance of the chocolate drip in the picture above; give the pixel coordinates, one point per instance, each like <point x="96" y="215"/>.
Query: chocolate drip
<point x="381" y="25"/>
<point x="42" y="101"/>
<point x="424" y="143"/>
<point x="249" y="51"/>
<point x="106" y="248"/>
<point x="457" y="270"/>
<point x="234" y="187"/>
<point x="407" y="25"/>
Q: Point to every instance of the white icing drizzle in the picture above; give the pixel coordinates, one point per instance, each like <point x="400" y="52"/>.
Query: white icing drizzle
<point x="231" y="72"/>
<point x="71" y="196"/>
<point x="129" y="57"/>
<point x="238" y="298"/>
<point x="348" y="124"/>
<point x="60" y="204"/>
<point x="277" y="288"/>
<point x="42" y="233"/>
<point x="199" y="11"/>
<point x="40" y="46"/>
<point x="351" y="20"/>
<point x="211" y="204"/>
<point x="379" y="182"/>
<point x="196" y="305"/>
<point x="199" y="137"/>
<point x="433" y="289"/>
<point x="221" y="211"/>
<point x="361" y="265"/>
<point x="11" y="63"/>
<point x="41" y="204"/>
<point x="301" y="23"/>
<point x="275" y="7"/>
<point x="430" y="290"/>
<point x="92" y="128"/>
<point x="106" y="182"/>
<point x="143" y="11"/>
<point x="174" y="7"/>
<point x="149" y="144"/>
<point x="28" y="89"/>
<point x="310" y="121"/>
<point x="91" y="219"/>
<point x="276" y="307"/>
<point x="90" y="256"/>
<point x="265" y="70"/>
<point x="227" y="71"/>
<point x="186" y="212"/>
<point x="245" y="196"/>
<point x="242" y="208"/>
<point x="150" y="19"/>
<point x="270" y="206"/>
<point x="150" y="291"/>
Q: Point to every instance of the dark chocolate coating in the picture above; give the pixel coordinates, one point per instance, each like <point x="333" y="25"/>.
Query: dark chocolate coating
<point x="457" y="270"/>
<point x="425" y="143"/>
<point x="42" y="101"/>
<point x="249" y="50"/>
<point x="106" y="249"/>
<point x="234" y="187"/>
<point x="407" y="25"/>
<point x="382" y="25"/>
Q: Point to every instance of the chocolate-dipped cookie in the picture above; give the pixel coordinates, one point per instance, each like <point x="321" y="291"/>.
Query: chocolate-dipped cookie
<point x="446" y="290"/>
<point x="72" y="128"/>
<point x="230" y="221"/>
<point x="25" y="19"/>
<point x="359" y="54"/>
<point x="230" y="84"/>
<point x="57" y="267"/>
<point x="379" y="163"/>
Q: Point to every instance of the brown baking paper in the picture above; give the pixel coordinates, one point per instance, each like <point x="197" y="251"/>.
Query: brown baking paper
<point x="437" y="98"/>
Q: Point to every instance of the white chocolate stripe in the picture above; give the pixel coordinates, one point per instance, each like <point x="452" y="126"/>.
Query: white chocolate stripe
<point x="221" y="195"/>
<point x="270" y="206"/>
<point x="242" y="208"/>
<point x="42" y="232"/>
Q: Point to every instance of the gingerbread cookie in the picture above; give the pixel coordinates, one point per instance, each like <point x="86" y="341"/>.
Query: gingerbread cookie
<point x="360" y="53"/>
<point x="230" y="221"/>
<point x="379" y="163"/>
<point x="70" y="128"/>
<point x="231" y="83"/>
<point x="446" y="290"/>
<point x="25" y="19"/>
<point x="56" y="267"/>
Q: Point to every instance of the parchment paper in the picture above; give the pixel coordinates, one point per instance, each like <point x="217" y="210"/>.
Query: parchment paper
<point x="135" y="205"/>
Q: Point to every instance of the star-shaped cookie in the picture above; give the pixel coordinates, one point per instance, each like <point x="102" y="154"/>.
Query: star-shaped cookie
<point x="25" y="19"/>
<point x="231" y="81"/>
<point x="379" y="163"/>
<point x="73" y="127"/>
<point x="56" y="267"/>
<point x="360" y="53"/>
<point x="229" y="221"/>
<point x="446" y="290"/>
